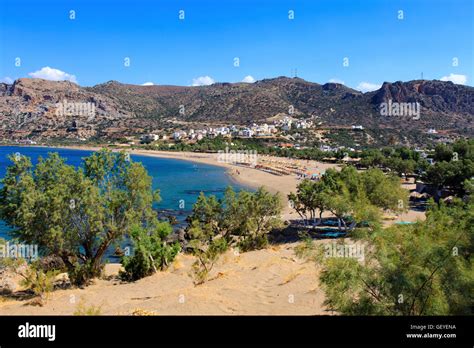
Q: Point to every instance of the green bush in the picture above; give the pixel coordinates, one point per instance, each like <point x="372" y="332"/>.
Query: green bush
<point x="39" y="282"/>
<point x="151" y="252"/>
<point x="206" y="257"/>
<point x="76" y="213"/>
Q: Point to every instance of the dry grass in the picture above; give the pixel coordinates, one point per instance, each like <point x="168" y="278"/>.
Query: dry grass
<point x="290" y="277"/>
<point x="142" y="312"/>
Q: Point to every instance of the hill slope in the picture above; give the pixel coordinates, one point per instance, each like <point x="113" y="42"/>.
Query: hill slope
<point x="28" y="106"/>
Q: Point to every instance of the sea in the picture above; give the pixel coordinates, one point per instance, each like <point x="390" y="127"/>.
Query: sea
<point x="180" y="182"/>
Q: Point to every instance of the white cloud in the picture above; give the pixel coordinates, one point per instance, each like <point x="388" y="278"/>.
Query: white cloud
<point x="336" y="80"/>
<point x="203" y="81"/>
<point x="48" y="73"/>
<point x="458" y="79"/>
<point x="367" y="87"/>
<point x="248" y="79"/>
<point x="7" y="80"/>
<point x="148" y="84"/>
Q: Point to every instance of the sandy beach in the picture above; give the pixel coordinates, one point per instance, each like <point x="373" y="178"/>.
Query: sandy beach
<point x="264" y="282"/>
<point x="272" y="281"/>
<point x="255" y="178"/>
<point x="250" y="177"/>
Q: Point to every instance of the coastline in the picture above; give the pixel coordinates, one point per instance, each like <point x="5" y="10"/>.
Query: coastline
<point x="251" y="177"/>
<point x="246" y="176"/>
<point x="252" y="283"/>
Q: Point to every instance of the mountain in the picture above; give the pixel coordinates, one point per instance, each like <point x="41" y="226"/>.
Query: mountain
<point x="28" y="106"/>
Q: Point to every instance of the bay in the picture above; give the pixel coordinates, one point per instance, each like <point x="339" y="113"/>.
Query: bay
<point x="180" y="182"/>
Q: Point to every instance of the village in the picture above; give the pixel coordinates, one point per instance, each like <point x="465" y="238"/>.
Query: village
<point x="263" y="130"/>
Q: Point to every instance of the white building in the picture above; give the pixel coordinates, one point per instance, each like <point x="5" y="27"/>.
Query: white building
<point x="148" y="138"/>
<point x="179" y="135"/>
<point x="247" y="132"/>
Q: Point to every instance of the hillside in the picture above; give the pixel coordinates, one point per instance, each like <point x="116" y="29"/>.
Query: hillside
<point x="27" y="107"/>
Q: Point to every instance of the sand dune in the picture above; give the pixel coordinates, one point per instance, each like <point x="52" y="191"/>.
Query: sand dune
<point x="264" y="282"/>
<point x="271" y="281"/>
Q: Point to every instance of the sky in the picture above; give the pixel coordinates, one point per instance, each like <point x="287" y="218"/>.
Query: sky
<point x="199" y="42"/>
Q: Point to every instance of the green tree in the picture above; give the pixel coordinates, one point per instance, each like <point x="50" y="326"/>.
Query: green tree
<point x="239" y="217"/>
<point x="76" y="214"/>
<point x="309" y="200"/>
<point x="349" y="192"/>
<point x="421" y="269"/>
<point x="452" y="168"/>
<point x="151" y="252"/>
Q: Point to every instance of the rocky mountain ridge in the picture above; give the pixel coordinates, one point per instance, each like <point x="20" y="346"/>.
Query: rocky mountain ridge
<point x="29" y="107"/>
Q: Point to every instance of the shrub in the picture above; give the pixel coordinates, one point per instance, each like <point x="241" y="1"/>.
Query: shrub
<point x="151" y="252"/>
<point x="40" y="282"/>
<point x="419" y="269"/>
<point x="243" y="220"/>
<point x="76" y="213"/>
<point x="205" y="259"/>
<point x="82" y="309"/>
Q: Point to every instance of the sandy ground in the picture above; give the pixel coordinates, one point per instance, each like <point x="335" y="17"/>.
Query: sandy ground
<point x="271" y="281"/>
<point x="249" y="177"/>
<point x="264" y="282"/>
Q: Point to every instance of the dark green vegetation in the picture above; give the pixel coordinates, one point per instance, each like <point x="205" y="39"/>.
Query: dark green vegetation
<point x="453" y="164"/>
<point x="420" y="269"/>
<point x="151" y="252"/>
<point x="261" y="146"/>
<point x="241" y="220"/>
<point x="349" y="195"/>
<point x="77" y="214"/>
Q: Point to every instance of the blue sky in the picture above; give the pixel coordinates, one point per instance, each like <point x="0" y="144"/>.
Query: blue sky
<point x="200" y="49"/>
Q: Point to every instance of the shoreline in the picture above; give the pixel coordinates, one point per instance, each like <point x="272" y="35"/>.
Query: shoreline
<point x="252" y="283"/>
<point x="252" y="178"/>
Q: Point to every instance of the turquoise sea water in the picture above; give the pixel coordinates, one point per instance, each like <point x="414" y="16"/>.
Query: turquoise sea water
<point x="178" y="181"/>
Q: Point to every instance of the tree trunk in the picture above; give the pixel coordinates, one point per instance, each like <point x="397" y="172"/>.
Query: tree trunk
<point x="320" y="221"/>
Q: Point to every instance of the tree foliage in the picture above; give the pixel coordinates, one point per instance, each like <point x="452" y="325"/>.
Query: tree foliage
<point x="349" y="194"/>
<point x="420" y="269"/>
<point x="240" y="220"/>
<point x="151" y="252"/>
<point x="243" y="218"/>
<point x="76" y="214"/>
